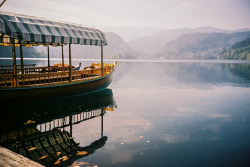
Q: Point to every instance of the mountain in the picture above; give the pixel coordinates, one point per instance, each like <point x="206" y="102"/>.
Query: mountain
<point x="242" y="30"/>
<point x="173" y="34"/>
<point x="131" y="33"/>
<point x="149" y="45"/>
<point x="6" y="52"/>
<point x="30" y="52"/>
<point x="116" y="49"/>
<point x="239" y="51"/>
<point x="200" y="45"/>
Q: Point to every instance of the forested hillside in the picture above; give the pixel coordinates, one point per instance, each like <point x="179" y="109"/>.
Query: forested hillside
<point x="200" y="45"/>
<point x="239" y="51"/>
<point x="6" y="52"/>
<point x="209" y="45"/>
<point x="148" y="46"/>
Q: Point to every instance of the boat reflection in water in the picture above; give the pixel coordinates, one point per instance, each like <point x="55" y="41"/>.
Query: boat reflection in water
<point x="44" y="138"/>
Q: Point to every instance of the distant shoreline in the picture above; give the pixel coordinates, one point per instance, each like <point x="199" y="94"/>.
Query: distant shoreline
<point x="140" y="60"/>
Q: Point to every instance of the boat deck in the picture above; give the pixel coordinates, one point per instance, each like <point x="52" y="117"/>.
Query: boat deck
<point x="54" y="75"/>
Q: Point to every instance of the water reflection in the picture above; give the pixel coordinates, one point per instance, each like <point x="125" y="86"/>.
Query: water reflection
<point x="43" y="131"/>
<point x="213" y="73"/>
<point x="202" y="75"/>
<point x="180" y="114"/>
<point x="170" y="114"/>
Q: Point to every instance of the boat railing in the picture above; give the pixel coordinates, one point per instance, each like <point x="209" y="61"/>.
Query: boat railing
<point x="31" y="70"/>
<point x="73" y="119"/>
<point x="53" y="75"/>
<point x="11" y="66"/>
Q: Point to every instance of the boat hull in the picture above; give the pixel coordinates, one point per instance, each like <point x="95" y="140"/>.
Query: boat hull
<point x="56" y="90"/>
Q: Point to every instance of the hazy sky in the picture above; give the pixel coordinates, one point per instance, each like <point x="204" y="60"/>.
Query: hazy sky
<point x="226" y="14"/>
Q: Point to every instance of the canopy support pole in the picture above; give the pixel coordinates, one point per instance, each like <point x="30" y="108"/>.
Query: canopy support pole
<point x="62" y="57"/>
<point x="70" y="66"/>
<point x="2" y="3"/>
<point x="102" y="59"/>
<point x="14" y="63"/>
<point x="48" y="60"/>
<point x="21" y="56"/>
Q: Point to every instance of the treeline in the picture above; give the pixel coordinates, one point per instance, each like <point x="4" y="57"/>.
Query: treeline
<point x="239" y="51"/>
<point x="6" y="52"/>
<point x="201" y="45"/>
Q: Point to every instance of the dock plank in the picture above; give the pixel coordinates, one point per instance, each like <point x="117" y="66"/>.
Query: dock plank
<point x="9" y="158"/>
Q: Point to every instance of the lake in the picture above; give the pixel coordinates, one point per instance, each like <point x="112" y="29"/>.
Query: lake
<point x="155" y="113"/>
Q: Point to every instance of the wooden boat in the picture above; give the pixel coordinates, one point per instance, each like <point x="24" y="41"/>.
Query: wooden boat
<point x="29" y="81"/>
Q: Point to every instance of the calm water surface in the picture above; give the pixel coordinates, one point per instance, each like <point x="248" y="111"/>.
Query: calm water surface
<point x="153" y="114"/>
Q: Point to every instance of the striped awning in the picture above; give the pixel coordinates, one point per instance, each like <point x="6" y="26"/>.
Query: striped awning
<point x="34" y="30"/>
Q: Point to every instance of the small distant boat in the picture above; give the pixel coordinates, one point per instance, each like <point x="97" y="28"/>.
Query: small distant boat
<point x="29" y="81"/>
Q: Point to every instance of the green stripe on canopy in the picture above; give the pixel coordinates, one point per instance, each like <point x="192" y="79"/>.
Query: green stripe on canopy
<point x="31" y="29"/>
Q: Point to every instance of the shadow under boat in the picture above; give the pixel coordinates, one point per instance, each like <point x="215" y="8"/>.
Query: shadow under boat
<point x="44" y="138"/>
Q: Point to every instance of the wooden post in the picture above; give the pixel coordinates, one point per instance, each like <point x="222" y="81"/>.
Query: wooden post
<point x="48" y="60"/>
<point x="102" y="122"/>
<point x="70" y="66"/>
<point x="71" y="133"/>
<point x="70" y="125"/>
<point x="14" y="63"/>
<point x="102" y="59"/>
<point x="21" y="56"/>
<point x="62" y="57"/>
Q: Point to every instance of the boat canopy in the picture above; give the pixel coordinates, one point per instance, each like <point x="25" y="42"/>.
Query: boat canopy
<point x="39" y="31"/>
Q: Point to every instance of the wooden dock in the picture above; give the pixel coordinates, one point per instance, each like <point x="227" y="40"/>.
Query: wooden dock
<point x="9" y="158"/>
